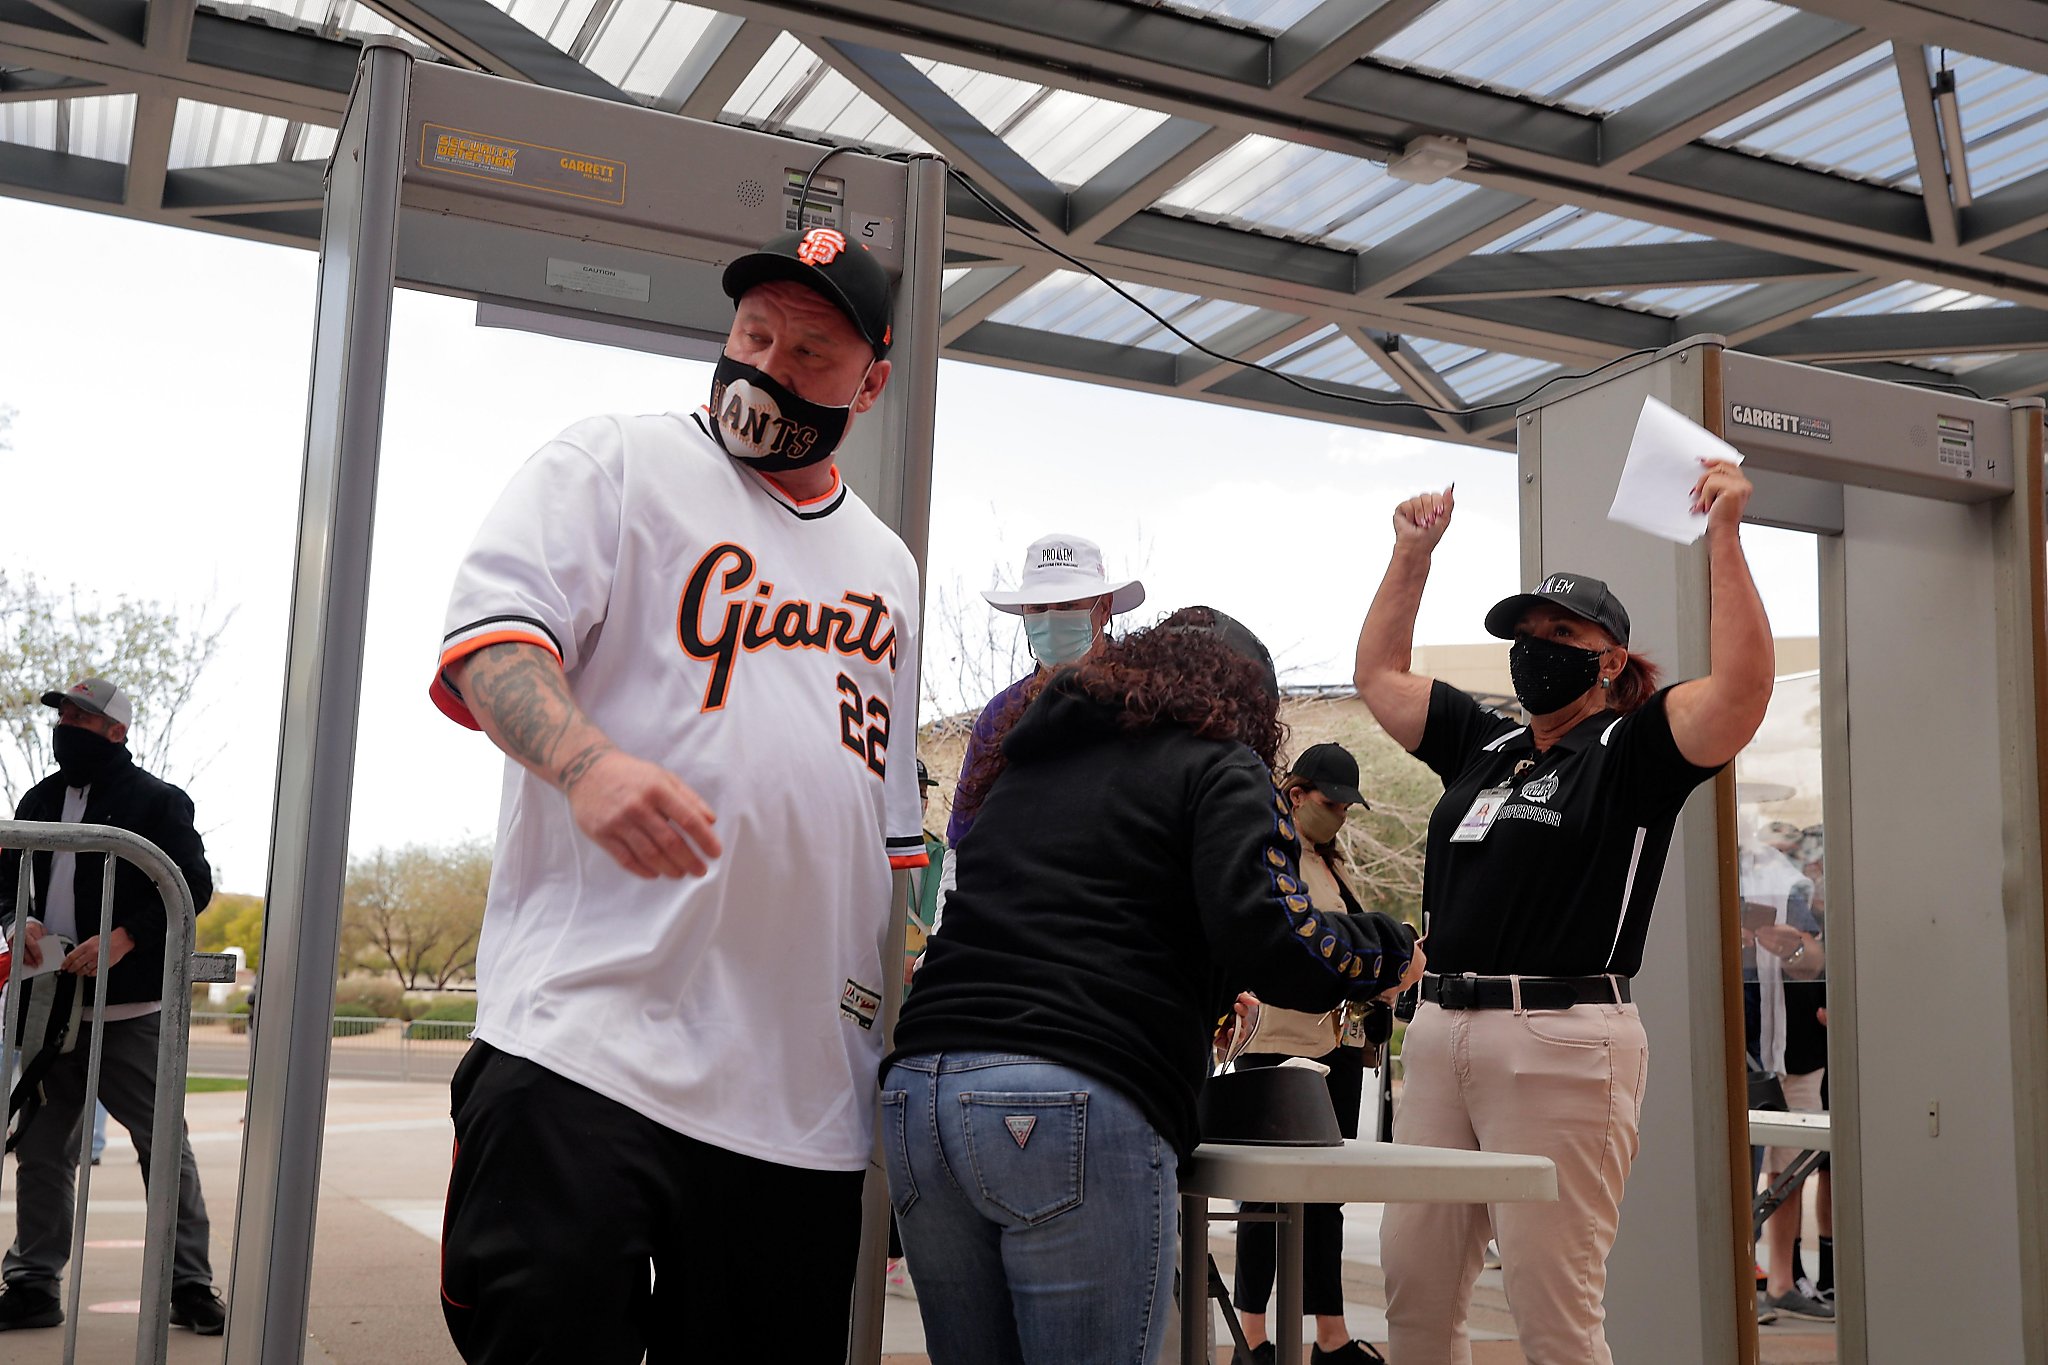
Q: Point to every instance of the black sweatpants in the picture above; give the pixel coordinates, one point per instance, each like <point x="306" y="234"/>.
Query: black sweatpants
<point x="1322" y="1235"/>
<point x="564" y="1203"/>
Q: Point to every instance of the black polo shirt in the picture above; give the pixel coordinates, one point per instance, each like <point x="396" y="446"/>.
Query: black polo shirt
<point x="1563" y="882"/>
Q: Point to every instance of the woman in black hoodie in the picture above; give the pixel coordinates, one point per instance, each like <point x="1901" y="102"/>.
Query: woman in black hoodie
<point x="1043" y="1086"/>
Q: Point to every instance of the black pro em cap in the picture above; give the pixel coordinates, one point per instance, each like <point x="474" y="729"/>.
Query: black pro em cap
<point x="1580" y="594"/>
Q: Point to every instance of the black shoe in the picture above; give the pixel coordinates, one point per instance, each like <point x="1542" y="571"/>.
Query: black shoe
<point x="1801" y="1306"/>
<point x="197" y="1306"/>
<point x="1262" y="1354"/>
<point x="1350" y="1353"/>
<point x="24" y="1307"/>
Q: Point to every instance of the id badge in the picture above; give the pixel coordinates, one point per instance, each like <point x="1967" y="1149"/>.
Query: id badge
<point x="1479" y="819"/>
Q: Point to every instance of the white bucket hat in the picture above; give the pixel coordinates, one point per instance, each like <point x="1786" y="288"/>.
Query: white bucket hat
<point x="1060" y="568"/>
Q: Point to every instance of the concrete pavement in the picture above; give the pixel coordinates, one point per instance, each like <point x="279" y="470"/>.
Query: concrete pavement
<point x="376" y="1260"/>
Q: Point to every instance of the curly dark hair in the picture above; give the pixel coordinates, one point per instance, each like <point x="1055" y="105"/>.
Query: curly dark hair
<point x="1179" y="672"/>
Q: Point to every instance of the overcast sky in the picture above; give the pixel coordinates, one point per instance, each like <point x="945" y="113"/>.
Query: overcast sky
<point x="160" y="381"/>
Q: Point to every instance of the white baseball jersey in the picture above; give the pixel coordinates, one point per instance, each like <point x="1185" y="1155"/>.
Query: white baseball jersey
<point x="765" y="651"/>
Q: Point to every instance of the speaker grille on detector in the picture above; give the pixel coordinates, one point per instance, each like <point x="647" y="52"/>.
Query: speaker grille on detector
<point x="751" y="193"/>
<point x="1919" y="434"/>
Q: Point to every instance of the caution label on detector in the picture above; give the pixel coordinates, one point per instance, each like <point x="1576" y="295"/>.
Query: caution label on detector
<point x="529" y="165"/>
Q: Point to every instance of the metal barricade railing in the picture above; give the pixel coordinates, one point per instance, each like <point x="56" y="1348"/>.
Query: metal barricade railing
<point x="152" y="1340"/>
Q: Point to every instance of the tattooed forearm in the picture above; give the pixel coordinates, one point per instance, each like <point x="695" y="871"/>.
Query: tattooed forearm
<point x="519" y="694"/>
<point x="572" y="772"/>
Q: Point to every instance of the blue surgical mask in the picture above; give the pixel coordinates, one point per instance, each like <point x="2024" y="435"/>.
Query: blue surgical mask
<point x="1059" y="637"/>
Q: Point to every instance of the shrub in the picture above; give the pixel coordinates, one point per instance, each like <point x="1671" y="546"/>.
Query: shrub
<point x="353" y="1019"/>
<point x="455" y="1008"/>
<point x="380" y="998"/>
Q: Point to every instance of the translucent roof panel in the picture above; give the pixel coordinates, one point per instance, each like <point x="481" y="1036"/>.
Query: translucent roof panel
<point x="331" y="18"/>
<point x="1910" y="296"/>
<point x="1263" y="16"/>
<point x="1288" y="190"/>
<point x="1476" y="374"/>
<point x="98" y="126"/>
<point x="2005" y="120"/>
<point x="1674" y="302"/>
<point x="790" y="90"/>
<point x="1567" y="228"/>
<point x="315" y="143"/>
<point x="1850" y="121"/>
<point x="641" y="44"/>
<point x="210" y="135"/>
<point x="1963" y="364"/>
<point x="1337" y="360"/>
<point x="1066" y="135"/>
<point x="1077" y="305"/>
<point x="1597" y="57"/>
<point x="558" y="21"/>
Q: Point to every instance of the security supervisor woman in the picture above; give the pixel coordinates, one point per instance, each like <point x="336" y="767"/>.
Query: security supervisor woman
<point x="1044" y="1080"/>
<point x="1541" y="868"/>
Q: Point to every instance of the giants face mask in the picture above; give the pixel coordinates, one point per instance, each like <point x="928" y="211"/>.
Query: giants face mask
<point x="762" y="422"/>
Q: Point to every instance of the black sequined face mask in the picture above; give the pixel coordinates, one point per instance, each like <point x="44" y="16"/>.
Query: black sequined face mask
<point x="1549" y="676"/>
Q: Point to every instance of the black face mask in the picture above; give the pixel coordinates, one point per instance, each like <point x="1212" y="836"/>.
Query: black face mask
<point x="84" y="757"/>
<point x="762" y="422"/>
<point x="1549" y="676"/>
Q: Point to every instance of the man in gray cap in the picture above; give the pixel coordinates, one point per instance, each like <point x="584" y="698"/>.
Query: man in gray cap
<point x="97" y="783"/>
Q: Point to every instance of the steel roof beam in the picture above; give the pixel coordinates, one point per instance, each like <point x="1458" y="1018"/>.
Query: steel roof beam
<point x="120" y="22"/>
<point x="265" y="187"/>
<point x="1065" y="354"/>
<point x="247" y="65"/>
<point x="60" y="177"/>
<point x="1785" y="57"/>
<point x="298" y="59"/>
<point x="1333" y="36"/>
<point x="727" y="51"/>
<point x="2016" y="378"/>
<point x="1771" y="306"/>
<point x="2007" y="214"/>
<point x="1890" y="335"/>
<point x="986" y="296"/>
<point x="1381" y="408"/>
<point x="1909" y="60"/>
<point x="1619" y="328"/>
<point x="892" y="82"/>
<point x="2011" y="31"/>
<point x="1446" y="236"/>
<point x="1424" y="104"/>
<point x="24" y="83"/>
<point x="1414" y="374"/>
<point x="477" y="33"/>
<point x="1248" y="340"/>
<point x="1511" y="274"/>
<point x="1164" y="157"/>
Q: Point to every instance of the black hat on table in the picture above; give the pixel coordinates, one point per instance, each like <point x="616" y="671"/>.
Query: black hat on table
<point x="1580" y="594"/>
<point x="823" y="260"/>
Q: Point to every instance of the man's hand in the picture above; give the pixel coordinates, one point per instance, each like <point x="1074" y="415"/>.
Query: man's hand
<point x="84" y="960"/>
<point x="31" y="937"/>
<point x="1421" y="521"/>
<point x="644" y="816"/>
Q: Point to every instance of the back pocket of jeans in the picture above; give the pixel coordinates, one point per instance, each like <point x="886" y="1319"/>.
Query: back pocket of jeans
<point x="1027" y="1149"/>
<point x="896" y="1150"/>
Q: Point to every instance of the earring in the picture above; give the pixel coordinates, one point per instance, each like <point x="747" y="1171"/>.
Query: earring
<point x="1607" y="682"/>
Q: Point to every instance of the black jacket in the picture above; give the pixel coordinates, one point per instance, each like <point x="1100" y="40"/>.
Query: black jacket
<point x="126" y="798"/>
<point x="1116" y="892"/>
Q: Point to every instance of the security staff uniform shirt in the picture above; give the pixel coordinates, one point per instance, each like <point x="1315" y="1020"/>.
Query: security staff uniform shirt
<point x="1563" y="882"/>
<point x="765" y="651"/>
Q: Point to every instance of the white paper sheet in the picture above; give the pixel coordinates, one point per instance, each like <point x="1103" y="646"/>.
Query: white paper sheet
<point x="1655" y="492"/>
<point x="55" y="948"/>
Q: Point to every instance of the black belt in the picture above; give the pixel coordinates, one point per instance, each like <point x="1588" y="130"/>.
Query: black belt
<point x="1537" y="992"/>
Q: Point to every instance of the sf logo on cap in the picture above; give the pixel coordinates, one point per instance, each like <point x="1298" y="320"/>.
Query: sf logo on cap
<point x="820" y="246"/>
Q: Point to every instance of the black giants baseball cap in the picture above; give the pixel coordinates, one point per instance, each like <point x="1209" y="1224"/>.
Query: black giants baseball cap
<point x="821" y="259"/>
<point x="1331" y="770"/>
<point x="1581" y="595"/>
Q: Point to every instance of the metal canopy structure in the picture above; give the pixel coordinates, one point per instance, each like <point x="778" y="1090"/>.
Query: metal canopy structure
<point x="1789" y="176"/>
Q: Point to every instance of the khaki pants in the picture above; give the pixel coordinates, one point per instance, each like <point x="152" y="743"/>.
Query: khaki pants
<point x="1564" y="1084"/>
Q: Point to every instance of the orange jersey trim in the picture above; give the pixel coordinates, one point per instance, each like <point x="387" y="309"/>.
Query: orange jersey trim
<point x="444" y="697"/>
<point x="909" y="862"/>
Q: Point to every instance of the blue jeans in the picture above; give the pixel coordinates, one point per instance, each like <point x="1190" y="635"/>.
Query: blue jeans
<point x="1038" y="1210"/>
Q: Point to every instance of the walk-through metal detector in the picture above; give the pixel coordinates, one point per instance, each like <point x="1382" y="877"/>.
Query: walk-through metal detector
<point x="587" y="218"/>
<point x="1934" y="687"/>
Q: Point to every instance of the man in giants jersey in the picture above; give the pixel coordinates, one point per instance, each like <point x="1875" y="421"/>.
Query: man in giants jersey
<point x="699" y="651"/>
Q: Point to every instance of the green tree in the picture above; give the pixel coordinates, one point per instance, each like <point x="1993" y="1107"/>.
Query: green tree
<point x="50" y="635"/>
<point x="416" y="912"/>
<point x="233" y="921"/>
